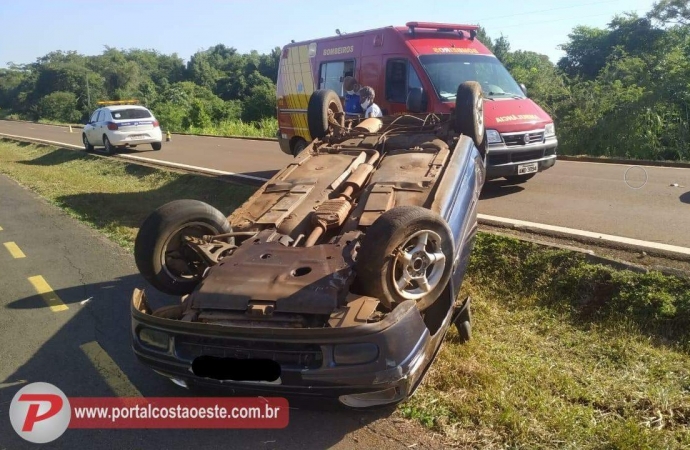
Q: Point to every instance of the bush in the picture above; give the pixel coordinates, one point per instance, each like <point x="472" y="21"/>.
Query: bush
<point x="261" y="103"/>
<point x="59" y="106"/>
<point x="198" y="116"/>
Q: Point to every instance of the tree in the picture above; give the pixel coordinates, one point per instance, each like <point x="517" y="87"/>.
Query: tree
<point x="671" y="12"/>
<point x="59" y="106"/>
<point x="501" y="49"/>
<point x="261" y="103"/>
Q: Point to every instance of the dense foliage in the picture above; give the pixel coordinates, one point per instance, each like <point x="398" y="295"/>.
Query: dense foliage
<point x="216" y="86"/>
<point x="618" y="91"/>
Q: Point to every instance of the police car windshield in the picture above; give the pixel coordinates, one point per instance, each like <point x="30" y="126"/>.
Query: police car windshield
<point x="447" y="72"/>
<point x="128" y="114"/>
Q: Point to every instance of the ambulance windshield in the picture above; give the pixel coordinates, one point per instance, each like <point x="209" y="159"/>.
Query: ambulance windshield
<point x="448" y="71"/>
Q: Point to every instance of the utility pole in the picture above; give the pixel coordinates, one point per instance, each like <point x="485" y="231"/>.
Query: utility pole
<point x="88" y="91"/>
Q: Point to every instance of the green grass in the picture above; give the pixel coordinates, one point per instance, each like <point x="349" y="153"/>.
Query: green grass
<point x="112" y="196"/>
<point x="266" y="128"/>
<point x="55" y="122"/>
<point x="565" y="354"/>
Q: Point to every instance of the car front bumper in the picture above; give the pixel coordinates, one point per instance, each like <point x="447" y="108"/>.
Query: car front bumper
<point x="405" y="345"/>
<point x="503" y="161"/>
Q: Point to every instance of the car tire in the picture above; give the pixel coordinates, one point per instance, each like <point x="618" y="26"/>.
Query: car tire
<point x="109" y="148"/>
<point x="299" y="147"/>
<point x="159" y="250"/>
<point x="156" y="145"/>
<point x="469" y="112"/>
<point x="519" y="179"/>
<point x="392" y="247"/>
<point x="322" y="104"/>
<point x="87" y="146"/>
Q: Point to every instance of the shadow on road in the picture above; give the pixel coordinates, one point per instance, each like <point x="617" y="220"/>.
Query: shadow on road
<point x="128" y="209"/>
<point x="105" y="319"/>
<point x="498" y="188"/>
<point x="685" y="198"/>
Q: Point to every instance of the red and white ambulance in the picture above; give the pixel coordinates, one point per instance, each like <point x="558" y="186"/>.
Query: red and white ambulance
<point x="435" y="57"/>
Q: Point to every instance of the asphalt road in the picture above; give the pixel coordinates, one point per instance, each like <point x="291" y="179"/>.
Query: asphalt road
<point x="585" y="196"/>
<point x="79" y="341"/>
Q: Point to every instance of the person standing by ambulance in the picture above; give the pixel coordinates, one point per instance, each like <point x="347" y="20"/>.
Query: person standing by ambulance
<point x="352" y="100"/>
<point x="371" y="109"/>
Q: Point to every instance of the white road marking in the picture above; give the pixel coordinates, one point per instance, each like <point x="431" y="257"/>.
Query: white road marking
<point x="141" y="158"/>
<point x="632" y="163"/>
<point x="196" y="168"/>
<point x="482" y="217"/>
<point x="43" y="141"/>
<point x="493" y="220"/>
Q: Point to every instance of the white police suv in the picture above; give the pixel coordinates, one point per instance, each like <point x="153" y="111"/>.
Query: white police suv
<point x="121" y="125"/>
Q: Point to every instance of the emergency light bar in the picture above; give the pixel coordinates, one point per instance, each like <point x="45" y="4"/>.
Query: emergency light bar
<point x="118" y="102"/>
<point x="444" y="27"/>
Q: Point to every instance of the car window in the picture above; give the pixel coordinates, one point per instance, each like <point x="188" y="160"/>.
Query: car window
<point x="126" y="114"/>
<point x="400" y="78"/>
<point x="94" y="117"/>
<point x="333" y="73"/>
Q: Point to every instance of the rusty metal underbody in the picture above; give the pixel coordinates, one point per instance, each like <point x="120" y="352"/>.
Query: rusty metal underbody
<point x="301" y="232"/>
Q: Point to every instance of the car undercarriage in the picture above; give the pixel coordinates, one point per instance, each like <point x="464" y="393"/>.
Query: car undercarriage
<point x="370" y="225"/>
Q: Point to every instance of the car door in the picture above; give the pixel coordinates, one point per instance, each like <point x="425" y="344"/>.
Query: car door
<point x="89" y="127"/>
<point x="401" y="76"/>
<point x="101" y="126"/>
<point x="456" y="200"/>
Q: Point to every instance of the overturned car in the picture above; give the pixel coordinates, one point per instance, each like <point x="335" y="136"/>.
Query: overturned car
<point x="338" y="277"/>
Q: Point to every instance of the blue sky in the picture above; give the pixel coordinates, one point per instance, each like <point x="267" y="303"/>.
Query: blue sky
<point x="31" y="28"/>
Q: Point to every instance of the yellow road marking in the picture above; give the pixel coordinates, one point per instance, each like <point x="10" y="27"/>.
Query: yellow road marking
<point x="0" y="228"/>
<point x="49" y="296"/>
<point x="14" y="250"/>
<point x="114" y="377"/>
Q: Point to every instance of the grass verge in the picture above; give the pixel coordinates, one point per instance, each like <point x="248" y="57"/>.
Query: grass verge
<point x="265" y="128"/>
<point x="565" y="354"/>
<point x="111" y="196"/>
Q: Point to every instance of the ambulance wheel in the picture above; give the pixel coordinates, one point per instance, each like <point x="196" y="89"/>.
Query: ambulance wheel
<point x="323" y="104"/>
<point x="469" y="111"/>
<point x="299" y="146"/>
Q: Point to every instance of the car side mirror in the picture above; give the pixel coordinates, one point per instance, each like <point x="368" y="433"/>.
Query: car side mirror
<point x="524" y="89"/>
<point x="415" y="100"/>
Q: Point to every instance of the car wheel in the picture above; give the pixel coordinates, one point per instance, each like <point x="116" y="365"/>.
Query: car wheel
<point x="156" y="145"/>
<point x="159" y="248"/>
<point x="469" y="111"/>
<point x="109" y="148"/>
<point x="323" y="104"/>
<point x="299" y="147"/>
<point x="519" y="179"/>
<point x="88" y="147"/>
<point x="406" y="254"/>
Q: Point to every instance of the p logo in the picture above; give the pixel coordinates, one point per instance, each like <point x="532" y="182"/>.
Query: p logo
<point x="40" y="412"/>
